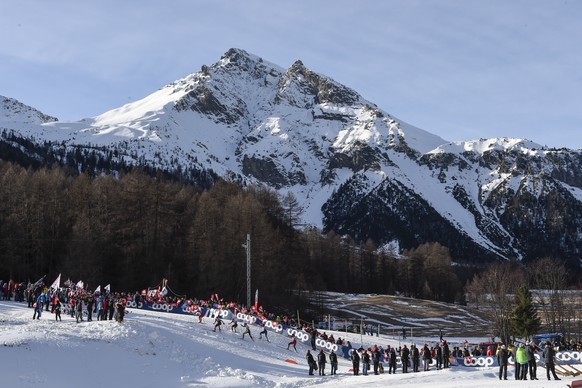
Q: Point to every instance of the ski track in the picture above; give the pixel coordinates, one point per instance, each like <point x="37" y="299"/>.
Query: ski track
<point x="158" y="349"/>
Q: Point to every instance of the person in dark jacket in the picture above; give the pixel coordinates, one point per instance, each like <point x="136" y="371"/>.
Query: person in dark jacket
<point x="392" y="361"/>
<point x="38" y="307"/>
<point x="119" y="311"/>
<point x="376" y="359"/>
<point x="79" y="310"/>
<point x="310" y="362"/>
<point x="426" y="357"/>
<point x="111" y="307"/>
<point x="549" y="354"/>
<point x="313" y="338"/>
<point x="415" y="358"/>
<point x="264" y="331"/>
<point x="531" y="350"/>
<point x="355" y="357"/>
<point x="333" y="362"/>
<point x="365" y="362"/>
<point x="321" y="362"/>
<point x="439" y="356"/>
<point x="90" y="305"/>
<point x="502" y="360"/>
<point x="405" y="358"/>
<point x="446" y="354"/>
<point x="58" y="310"/>
<point x="217" y="323"/>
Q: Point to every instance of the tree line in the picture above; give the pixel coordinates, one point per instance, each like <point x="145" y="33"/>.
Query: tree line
<point x="523" y="301"/>
<point x="134" y="229"/>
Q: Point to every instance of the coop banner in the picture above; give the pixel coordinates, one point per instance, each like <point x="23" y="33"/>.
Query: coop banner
<point x="564" y="357"/>
<point x="180" y="309"/>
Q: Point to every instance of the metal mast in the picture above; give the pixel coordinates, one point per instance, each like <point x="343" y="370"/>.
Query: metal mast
<point x="247" y="246"/>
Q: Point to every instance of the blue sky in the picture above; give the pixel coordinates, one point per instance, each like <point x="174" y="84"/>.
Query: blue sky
<point x="462" y="69"/>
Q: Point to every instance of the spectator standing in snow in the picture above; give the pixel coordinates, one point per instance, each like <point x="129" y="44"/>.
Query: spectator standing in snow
<point x="405" y="357"/>
<point x="376" y="359"/>
<point x="426" y="357"/>
<point x="38" y="307"/>
<point x="321" y="362"/>
<point x="333" y="362"/>
<point x="310" y="362"/>
<point x="79" y="309"/>
<point x="355" y="357"/>
<point x="365" y="363"/>
<point x="58" y="310"/>
<point x="111" y="307"/>
<point x="446" y="354"/>
<point x="90" y="305"/>
<point x="415" y="358"/>
<point x="549" y="354"/>
<point x="503" y="360"/>
<point x="521" y="358"/>
<point x="100" y="307"/>
<point x="119" y="311"/>
<point x="313" y="337"/>
<point x="392" y="361"/>
<point x="531" y="360"/>
<point x="439" y="356"/>
<point x="513" y="352"/>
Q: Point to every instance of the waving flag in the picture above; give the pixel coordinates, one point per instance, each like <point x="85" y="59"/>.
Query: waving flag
<point x="39" y="282"/>
<point x="57" y="283"/>
<point x="80" y="284"/>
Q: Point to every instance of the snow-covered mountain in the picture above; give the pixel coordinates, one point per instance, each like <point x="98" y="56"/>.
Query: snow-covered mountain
<point x="12" y="110"/>
<point x="353" y="167"/>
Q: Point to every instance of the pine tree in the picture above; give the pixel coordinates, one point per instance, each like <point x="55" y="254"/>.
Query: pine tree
<point x="525" y="321"/>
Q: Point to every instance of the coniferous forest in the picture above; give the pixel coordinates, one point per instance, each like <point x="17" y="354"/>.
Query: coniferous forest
<point x="133" y="230"/>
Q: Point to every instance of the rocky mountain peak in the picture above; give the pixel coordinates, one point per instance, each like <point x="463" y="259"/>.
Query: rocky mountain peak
<point x="353" y="168"/>
<point x="14" y="110"/>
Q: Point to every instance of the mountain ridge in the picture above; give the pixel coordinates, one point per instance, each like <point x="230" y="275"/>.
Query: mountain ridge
<point x="353" y="167"/>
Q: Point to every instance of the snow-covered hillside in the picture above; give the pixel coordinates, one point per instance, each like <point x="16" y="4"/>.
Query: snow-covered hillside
<point x="14" y="111"/>
<point x="157" y="349"/>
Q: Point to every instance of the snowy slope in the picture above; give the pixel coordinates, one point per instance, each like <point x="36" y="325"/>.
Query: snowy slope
<point x="167" y="350"/>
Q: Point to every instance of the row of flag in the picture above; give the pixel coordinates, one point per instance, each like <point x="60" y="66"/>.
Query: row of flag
<point x="79" y="285"/>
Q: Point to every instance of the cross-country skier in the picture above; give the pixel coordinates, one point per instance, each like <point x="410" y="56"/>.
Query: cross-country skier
<point x="247" y="331"/>
<point x="264" y="331"/>
<point x="217" y="324"/>
<point x="293" y="342"/>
